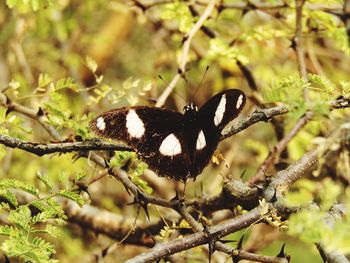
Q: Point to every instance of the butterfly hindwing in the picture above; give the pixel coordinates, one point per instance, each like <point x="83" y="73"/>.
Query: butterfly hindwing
<point x="156" y="134"/>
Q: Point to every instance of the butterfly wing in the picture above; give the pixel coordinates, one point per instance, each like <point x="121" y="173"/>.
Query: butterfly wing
<point x="212" y="118"/>
<point x="156" y="134"/>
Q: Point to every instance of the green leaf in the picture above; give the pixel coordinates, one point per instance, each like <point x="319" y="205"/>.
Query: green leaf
<point x="16" y="184"/>
<point x="72" y="196"/>
<point x="46" y="180"/>
<point x="219" y="49"/>
<point x="11" y="3"/>
<point x="21" y="217"/>
<point x="44" y="80"/>
<point x="6" y="230"/>
<point x="65" y="83"/>
<point x="9" y="196"/>
<point x="179" y="12"/>
<point x="53" y="230"/>
<point x="50" y="207"/>
<point x="322" y="83"/>
<point x="91" y="64"/>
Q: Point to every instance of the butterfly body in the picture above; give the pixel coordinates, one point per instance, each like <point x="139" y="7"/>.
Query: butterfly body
<point x="173" y="144"/>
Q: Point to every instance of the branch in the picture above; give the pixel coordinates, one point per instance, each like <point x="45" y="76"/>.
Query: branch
<point x="200" y="238"/>
<point x="238" y="253"/>
<point x="41" y="149"/>
<point x="256" y="116"/>
<point x="185" y="51"/>
<point x="286" y="178"/>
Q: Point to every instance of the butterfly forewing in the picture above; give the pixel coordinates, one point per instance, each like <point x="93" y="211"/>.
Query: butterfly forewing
<point x="212" y="118"/>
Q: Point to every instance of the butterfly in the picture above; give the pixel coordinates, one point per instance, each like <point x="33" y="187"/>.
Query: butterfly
<point x="173" y="144"/>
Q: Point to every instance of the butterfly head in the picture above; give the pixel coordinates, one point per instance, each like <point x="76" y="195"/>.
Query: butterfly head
<point x="190" y="108"/>
<point x="190" y="111"/>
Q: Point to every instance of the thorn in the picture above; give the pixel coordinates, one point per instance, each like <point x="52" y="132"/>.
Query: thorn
<point x="240" y="243"/>
<point x="40" y="112"/>
<point x="242" y="174"/>
<point x="293" y="44"/>
<point x="82" y="188"/>
<point x="225" y="241"/>
<point x="211" y="246"/>
<point x="322" y="253"/>
<point x="282" y="254"/>
<point x="142" y="202"/>
<point x="105" y="251"/>
<point x="274" y="197"/>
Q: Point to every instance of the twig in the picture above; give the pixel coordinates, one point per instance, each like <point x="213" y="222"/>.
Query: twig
<point x="298" y="42"/>
<point x="185" y="51"/>
<point x="277" y="150"/>
<point x="36" y="115"/>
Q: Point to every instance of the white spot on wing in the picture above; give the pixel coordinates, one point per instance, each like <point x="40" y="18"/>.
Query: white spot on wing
<point x="134" y="125"/>
<point x="201" y="142"/>
<point x="239" y="102"/>
<point x="100" y="123"/>
<point x="219" y="113"/>
<point x="170" y="146"/>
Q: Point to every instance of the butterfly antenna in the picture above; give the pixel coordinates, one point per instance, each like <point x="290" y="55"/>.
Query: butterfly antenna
<point x="201" y="82"/>
<point x="167" y="83"/>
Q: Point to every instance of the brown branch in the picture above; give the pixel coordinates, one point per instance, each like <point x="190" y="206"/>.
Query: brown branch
<point x="238" y="253"/>
<point x="286" y="178"/>
<point x="41" y="149"/>
<point x="185" y="51"/>
<point x="199" y="238"/>
<point x="256" y="116"/>
<point x="277" y="150"/>
<point x="234" y="192"/>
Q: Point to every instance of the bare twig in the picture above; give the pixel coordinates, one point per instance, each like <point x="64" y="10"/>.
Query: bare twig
<point x="185" y="51"/>
<point x="298" y="42"/>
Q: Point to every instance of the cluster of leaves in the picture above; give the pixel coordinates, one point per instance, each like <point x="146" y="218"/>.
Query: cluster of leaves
<point x="32" y="218"/>
<point x="313" y="223"/>
<point x="35" y="5"/>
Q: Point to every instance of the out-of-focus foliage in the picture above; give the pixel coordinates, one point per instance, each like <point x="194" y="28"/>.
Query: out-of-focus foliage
<point x="70" y="60"/>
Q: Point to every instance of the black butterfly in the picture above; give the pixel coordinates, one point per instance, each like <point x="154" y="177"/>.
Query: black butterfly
<point x="173" y="144"/>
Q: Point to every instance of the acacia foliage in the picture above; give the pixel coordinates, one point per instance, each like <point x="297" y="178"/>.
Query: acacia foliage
<point x="68" y="60"/>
